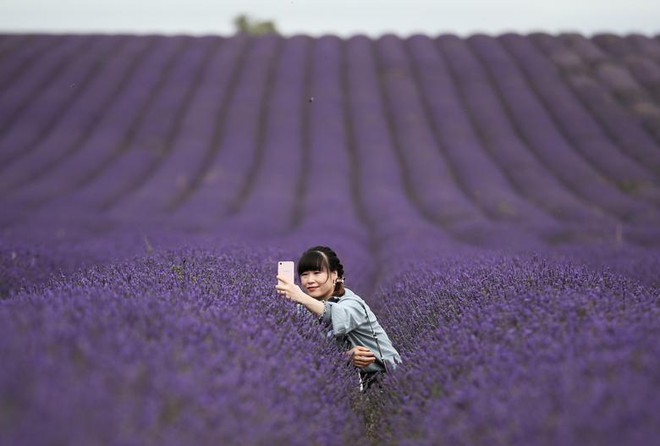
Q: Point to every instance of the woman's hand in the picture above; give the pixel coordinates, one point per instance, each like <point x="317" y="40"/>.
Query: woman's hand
<point x="361" y="356"/>
<point x="289" y="289"/>
<point x="293" y="292"/>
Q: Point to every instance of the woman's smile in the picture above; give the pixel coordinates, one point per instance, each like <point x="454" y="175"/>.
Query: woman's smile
<point x="318" y="283"/>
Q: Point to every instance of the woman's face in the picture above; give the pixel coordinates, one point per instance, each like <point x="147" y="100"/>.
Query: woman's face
<point x="318" y="284"/>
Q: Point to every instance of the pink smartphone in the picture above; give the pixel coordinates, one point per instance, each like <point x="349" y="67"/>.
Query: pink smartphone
<point x="285" y="268"/>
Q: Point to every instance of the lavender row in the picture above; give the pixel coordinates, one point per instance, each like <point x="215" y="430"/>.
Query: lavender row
<point x="546" y="139"/>
<point x="642" y="79"/>
<point x="453" y="184"/>
<point x="175" y="348"/>
<point x="539" y="69"/>
<point x="191" y="345"/>
<point x="18" y="99"/>
<point x="327" y="210"/>
<point x="519" y="350"/>
<point x="85" y="141"/>
<point x="329" y="179"/>
<point x="614" y="72"/>
<point x="429" y="173"/>
<point x="152" y="150"/>
<point x="189" y="140"/>
<point x="506" y="147"/>
<point x="556" y="183"/>
<point x="647" y="45"/>
<point x="617" y="123"/>
<point x="275" y="187"/>
<point x="149" y="139"/>
<point x="395" y="222"/>
<point x="28" y="105"/>
<point x="20" y="51"/>
<point x="219" y="178"/>
<point x="117" y="105"/>
<point x="138" y="123"/>
<point x="133" y="152"/>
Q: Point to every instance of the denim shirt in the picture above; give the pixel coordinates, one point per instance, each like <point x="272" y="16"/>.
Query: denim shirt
<point x="352" y="323"/>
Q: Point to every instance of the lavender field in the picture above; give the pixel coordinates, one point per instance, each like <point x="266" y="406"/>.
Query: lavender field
<point x="495" y="200"/>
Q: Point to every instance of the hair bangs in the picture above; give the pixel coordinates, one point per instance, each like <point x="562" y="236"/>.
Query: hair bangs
<point x="313" y="261"/>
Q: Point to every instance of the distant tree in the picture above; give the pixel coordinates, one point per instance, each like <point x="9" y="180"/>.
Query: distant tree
<point x="245" y="24"/>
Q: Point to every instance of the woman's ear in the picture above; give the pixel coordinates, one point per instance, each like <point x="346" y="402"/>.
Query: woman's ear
<point x="333" y="276"/>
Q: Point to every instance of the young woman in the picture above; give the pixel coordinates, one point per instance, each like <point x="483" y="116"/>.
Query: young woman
<point x="346" y="315"/>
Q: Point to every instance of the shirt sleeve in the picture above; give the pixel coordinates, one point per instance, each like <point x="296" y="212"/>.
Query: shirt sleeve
<point x="344" y="316"/>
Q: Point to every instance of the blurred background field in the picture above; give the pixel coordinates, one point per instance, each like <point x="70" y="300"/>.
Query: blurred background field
<point x="495" y="197"/>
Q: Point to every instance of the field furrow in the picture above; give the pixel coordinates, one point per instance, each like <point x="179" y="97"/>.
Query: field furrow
<point x="220" y="181"/>
<point x="30" y="104"/>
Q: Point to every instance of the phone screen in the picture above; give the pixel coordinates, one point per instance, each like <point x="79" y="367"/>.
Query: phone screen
<point x="285" y="268"/>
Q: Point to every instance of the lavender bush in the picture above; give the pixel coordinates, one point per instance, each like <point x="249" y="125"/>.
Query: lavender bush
<point x="170" y="349"/>
<point x="514" y="350"/>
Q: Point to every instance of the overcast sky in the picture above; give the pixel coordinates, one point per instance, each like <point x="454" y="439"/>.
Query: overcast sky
<point x="341" y="17"/>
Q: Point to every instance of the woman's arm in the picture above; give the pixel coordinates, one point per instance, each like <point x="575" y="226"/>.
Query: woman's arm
<point x="293" y="292"/>
<point x="344" y="316"/>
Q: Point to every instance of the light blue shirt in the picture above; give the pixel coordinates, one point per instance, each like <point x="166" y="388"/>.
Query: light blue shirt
<point x="352" y="322"/>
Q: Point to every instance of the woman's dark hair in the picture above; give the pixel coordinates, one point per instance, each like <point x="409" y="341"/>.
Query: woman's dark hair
<point x="322" y="258"/>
